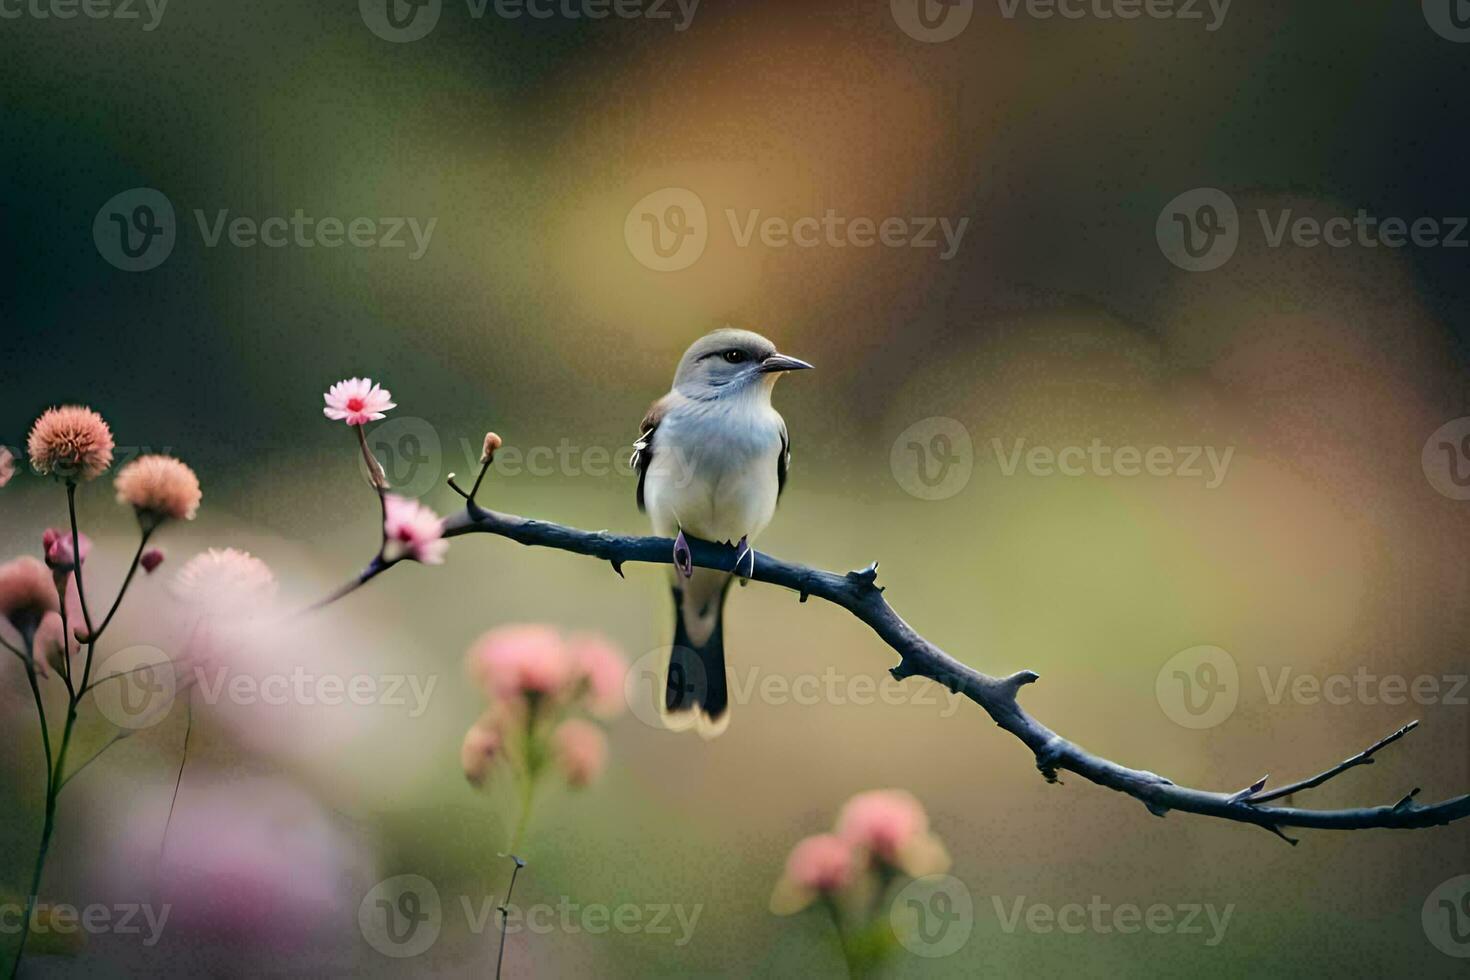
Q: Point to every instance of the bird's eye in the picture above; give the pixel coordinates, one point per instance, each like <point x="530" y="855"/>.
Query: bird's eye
<point x="734" y="356"/>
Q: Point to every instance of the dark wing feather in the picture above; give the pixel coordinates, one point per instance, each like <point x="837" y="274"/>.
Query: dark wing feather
<point x="643" y="448"/>
<point x="783" y="462"/>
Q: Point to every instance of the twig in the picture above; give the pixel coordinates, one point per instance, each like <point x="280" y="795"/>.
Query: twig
<point x="858" y="593"/>
<point x="505" y="912"/>
<point x="1363" y="758"/>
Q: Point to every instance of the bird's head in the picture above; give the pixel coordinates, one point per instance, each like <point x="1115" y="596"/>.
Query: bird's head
<point x="729" y="361"/>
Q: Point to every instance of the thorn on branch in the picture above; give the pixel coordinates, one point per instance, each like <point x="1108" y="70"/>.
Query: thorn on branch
<point x="1018" y="680"/>
<point x="1048" y="757"/>
<point x="1407" y="803"/>
<point x="1250" y="790"/>
<point x="1278" y="832"/>
<point x="865" y="576"/>
<point x="617" y="566"/>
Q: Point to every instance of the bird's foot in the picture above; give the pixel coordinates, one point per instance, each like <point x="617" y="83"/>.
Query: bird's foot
<point x="683" y="559"/>
<point x="745" y="555"/>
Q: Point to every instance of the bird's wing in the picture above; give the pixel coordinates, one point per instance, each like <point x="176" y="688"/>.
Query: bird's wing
<point x="643" y="448"/>
<point x="783" y="462"/>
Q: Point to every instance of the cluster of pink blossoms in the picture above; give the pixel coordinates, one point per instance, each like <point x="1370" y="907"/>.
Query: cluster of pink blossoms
<point x="883" y="832"/>
<point x="537" y="682"/>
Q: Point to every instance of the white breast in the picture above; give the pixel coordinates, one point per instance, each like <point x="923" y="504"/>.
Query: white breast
<point x="714" y="470"/>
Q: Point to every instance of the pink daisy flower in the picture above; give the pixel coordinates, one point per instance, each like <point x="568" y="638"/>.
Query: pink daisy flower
<point x="413" y="531"/>
<point x="357" y="401"/>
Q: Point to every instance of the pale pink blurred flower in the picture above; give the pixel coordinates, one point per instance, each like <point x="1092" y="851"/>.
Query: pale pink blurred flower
<point x="413" y="531"/>
<point x="581" y="750"/>
<point x="7" y="465"/>
<point x="818" y="865"/>
<point x="249" y="861"/>
<point x="514" y="661"/>
<point x="357" y="401"/>
<point x="604" y="670"/>
<point x="56" y="542"/>
<point x="159" y="488"/>
<point x="892" y="827"/>
<point x="151" y="559"/>
<point x="482" y="743"/>
<point x="71" y="442"/>
<point x="27" y="593"/>
<point x="225" y="582"/>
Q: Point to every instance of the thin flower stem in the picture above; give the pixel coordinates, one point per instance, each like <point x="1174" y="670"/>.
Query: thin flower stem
<point x="380" y="482"/>
<point x="95" y="756"/>
<point x="179" y="779"/>
<point x="76" y="550"/>
<point x="49" y="822"/>
<point x="375" y="568"/>
<point x="127" y="581"/>
<point x="505" y="912"/>
<point x="830" y="904"/>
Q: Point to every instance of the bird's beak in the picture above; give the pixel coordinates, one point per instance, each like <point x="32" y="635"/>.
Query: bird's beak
<point x="780" y="362"/>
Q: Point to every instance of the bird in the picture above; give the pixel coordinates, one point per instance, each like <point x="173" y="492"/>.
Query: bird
<point x="711" y="458"/>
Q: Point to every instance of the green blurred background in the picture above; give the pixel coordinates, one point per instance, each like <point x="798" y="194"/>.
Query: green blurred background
<point x="1325" y="550"/>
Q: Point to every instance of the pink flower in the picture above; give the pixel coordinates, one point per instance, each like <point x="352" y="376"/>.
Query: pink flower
<point x="7" y="465"/>
<point x="581" y="750"/>
<point x="818" y="865"/>
<point x="891" y="825"/>
<point x="27" y="592"/>
<point x="482" y="743"/>
<point x="357" y="401"/>
<point x="158" y="488"/>
<point x="600" y="664"/>
<point x="225" y="582"/>
<point x="515" y="661"/>
<point x="57" y="543"/>
<point x="70" y="442"/>
<point x="413" y="532"/>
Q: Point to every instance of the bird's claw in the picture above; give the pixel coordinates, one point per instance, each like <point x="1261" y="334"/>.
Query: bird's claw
<point x="745" y="555"/>
<point x="683" y="559"/>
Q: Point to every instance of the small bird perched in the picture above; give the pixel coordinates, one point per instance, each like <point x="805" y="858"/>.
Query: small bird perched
<point x="711" y="459"/>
